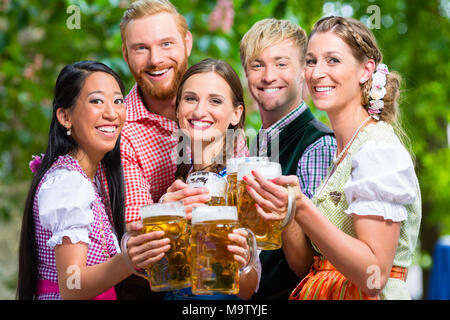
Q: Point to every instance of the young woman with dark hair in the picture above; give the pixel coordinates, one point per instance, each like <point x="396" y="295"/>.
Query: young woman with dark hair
<point x="209" y="102"/>
<point x="70" y="229"/>
<point x="208" y="125"/>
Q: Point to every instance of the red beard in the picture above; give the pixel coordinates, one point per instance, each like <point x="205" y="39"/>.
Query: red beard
<point x="166" y="89"/>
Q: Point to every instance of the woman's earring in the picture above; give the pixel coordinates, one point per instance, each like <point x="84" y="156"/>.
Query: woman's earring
<point x="67" y="126"/>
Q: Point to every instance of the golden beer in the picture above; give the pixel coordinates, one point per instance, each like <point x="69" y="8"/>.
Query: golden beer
<point x="214" y="182"/>
<point x="214" y="269"/>
<point x="216" y="201"/>
<point x="231" y="195"/>
<point x="232" y="169"/>
<point x="173" y="270"/>
<point x="267" y="233"/>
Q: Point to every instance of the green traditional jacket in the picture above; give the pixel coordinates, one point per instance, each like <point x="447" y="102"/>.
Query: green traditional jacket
<point x="277" y="279"/>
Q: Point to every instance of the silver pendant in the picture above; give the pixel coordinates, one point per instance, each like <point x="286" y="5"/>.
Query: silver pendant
<point x="335" y="197"/>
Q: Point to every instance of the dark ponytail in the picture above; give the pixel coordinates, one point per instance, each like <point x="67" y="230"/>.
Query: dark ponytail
<point x="364" y="46"/>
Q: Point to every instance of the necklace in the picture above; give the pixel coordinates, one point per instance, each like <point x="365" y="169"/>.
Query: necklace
<point x="339" y="157"/>
<point x="213" y="159"/>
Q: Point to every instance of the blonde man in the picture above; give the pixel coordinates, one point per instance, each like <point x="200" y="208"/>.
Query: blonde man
<point x="272" y="53"/>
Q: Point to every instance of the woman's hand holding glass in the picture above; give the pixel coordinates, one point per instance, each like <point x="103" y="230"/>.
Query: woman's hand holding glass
<point x="191" y="197"/>
<point x="272" y="197"/>
<point x="240" y="249"/>
<point x="143" y="250"/>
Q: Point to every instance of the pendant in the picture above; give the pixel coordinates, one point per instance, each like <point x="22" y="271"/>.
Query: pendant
<point x="335" y="197"/>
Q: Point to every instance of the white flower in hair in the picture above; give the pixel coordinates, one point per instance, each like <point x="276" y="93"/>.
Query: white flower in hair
<point x="383" y="68"/>
<point x="376" y="104"/>
<point x="378" y="80"/>
<point x="377" y="93"/>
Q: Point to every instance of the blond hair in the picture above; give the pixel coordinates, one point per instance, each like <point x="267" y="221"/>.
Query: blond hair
<point x="145" y="8"/>
<point x="268" y="32"/>
<point x="364" y="46"/>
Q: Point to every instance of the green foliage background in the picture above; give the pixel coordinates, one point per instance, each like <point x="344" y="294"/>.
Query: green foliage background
<point x="35" y="43"/>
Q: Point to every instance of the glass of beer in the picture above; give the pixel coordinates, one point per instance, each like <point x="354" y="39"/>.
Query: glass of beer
<point x="267" y="233"/>
<point x="214" y="182"/>
<point x="214" y="269"/>
<point x="232" y="169"/>
<point x="173" y="270"/>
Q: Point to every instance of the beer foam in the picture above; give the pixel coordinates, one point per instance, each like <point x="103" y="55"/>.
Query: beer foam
<point x="269" y="170"/>
<point x="214" y="213"/>
<point x="214" y="182"/>
<point x="216" y="185"/>
<point x="175" y="208"/>
<point x="233" y="163"/>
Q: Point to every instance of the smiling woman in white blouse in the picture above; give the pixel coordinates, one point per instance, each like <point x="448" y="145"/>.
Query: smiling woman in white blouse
<point x="69" y="239"/>
<point x="364" y="219"/>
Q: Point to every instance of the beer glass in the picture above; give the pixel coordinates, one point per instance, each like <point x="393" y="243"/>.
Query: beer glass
<point x="267" y="233"/>
<point x="173" y="270"/>
<point x="232" y="169"/>
<point x="214" y="269"/>
<point x="214" y="182"/>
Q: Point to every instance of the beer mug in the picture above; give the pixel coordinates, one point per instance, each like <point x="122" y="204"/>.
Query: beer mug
<point x="173" y="270"/>
<point x="232" y="169"/>
<point x="214" y="182"/>
<point x="214" y="269"/>
<point x="267" y="233"/>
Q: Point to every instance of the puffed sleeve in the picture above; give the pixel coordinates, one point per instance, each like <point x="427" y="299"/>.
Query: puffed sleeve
<point x="65" y="199"/>
<point x="382" y="181"/>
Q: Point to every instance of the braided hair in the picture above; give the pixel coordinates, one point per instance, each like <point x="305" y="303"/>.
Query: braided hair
<point x="363" y="44"/>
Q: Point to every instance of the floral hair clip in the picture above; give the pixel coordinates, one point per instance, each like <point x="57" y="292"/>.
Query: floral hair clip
<point x="35" y="163"/>
<point x="378" y="91"/>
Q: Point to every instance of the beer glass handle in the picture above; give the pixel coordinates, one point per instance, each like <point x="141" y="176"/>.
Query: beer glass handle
<point x="124" y="249"/>
<point x="251" y="240"/>
<point x="291" y="208"/>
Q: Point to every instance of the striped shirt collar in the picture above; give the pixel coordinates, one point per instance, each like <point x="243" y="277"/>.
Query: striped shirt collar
<point x="278" y="126"/>
<point x="283" y="122"/>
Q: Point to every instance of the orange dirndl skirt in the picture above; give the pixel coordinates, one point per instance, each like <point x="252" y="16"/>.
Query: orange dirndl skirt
<point x="324" y="282"/>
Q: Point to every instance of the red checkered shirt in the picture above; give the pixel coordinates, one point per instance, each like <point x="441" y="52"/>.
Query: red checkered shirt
<point x="147" y="145"/>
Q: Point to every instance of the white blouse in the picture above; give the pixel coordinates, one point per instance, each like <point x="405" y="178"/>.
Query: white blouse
<point x="65" y="200"/>
<point x="383" y="180"/>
